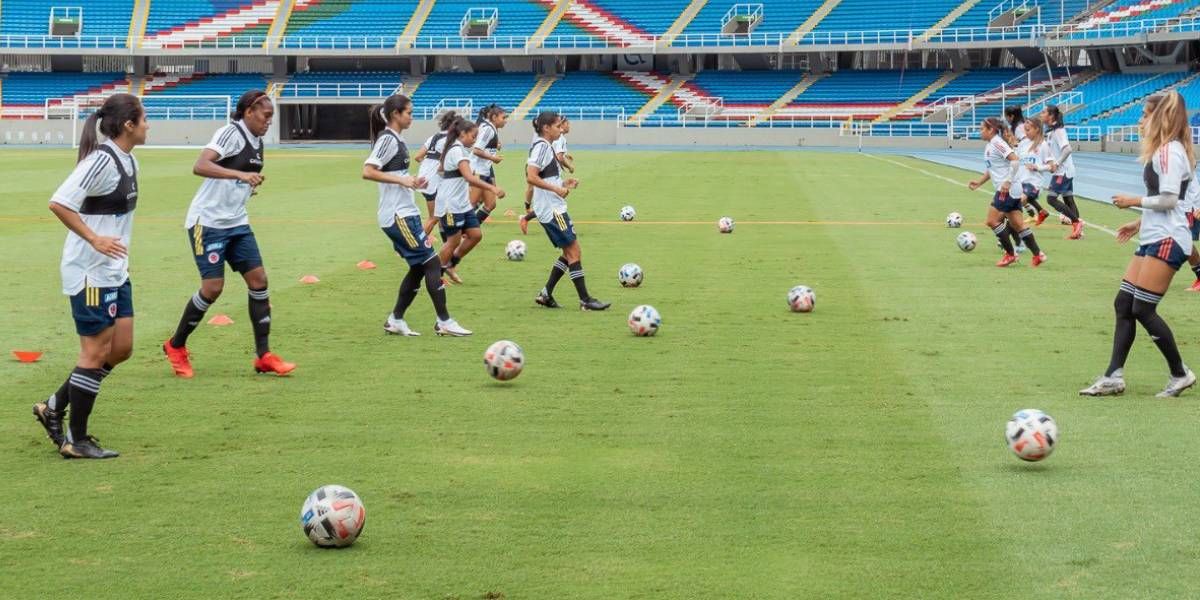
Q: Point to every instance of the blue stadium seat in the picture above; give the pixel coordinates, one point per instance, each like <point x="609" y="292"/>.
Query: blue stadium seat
<point x="582" y="89"/>
<point x="336" y="84"/>
<point x="106" y="18"/>
<point x="32" y="89"/>
<point x="505" y="89"/>
<point x="233" y="85"/>
<point x="779" y="16"/>
<point x="1112" y="90"/>
<point x="380" y="22"/>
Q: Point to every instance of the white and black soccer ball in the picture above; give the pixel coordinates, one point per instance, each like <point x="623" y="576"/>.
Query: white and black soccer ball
<point x="802" y="299"/>
<point x="725" y="225"/>
<point x="333" y="516"/>
<point x="954" y="220"/>
<point x="628" y="214"/>
<point x="515" y="250"/>
<point x="504" y="360"/>
<point x="1031" y="434"/>
<point x="966" y="241"/>
<point x="630" y="275"/>
<point x="644" y="321"/>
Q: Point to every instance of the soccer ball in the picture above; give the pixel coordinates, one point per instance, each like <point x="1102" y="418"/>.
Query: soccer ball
<point x="1031" y="434"/>
<point x="515" y="250"/>
<point x="725" y="225"/>
<point x="627" y="213"/>
<point x="630" y="275"/>
<point x="954" y="220"/>
<point x="967" y="241"/>
<point x="1064" y="219"/>
<point x="802" y="299"/>
<point x="504" y="360"/>
<point x="333" y="516"/>
<point x="644" y="321"/>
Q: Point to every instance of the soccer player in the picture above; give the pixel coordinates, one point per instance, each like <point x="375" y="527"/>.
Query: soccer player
<point x="429" y="156"/>
<point x="1191" y="203"/>
<point x="1002" y="168"/>
<point x="460" y="223"/>
<point x="1164" y="244"/>
<point x="1063" y="170"/>
<point x="400" y="218"/>
<point x="96" y="204"/>
<point x="1035" y="158"/>
<point x="564" y="160"/>
<point x="219" y="231"/>
<point x="485" y="154"/>
<point x="550" y="204"/>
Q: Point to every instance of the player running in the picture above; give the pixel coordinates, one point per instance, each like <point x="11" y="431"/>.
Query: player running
<point x="550" y="205"/>
<point x="485" y="155"/>
<point x="1164" y="244"/>
<point x="430" y="158"/>
<point x="1191" y="204"/>
<point x="96" y="204"/>
<point x="219" y="231"/>
<point x="565" y="160"/>
<point x="400" y="218"/>
<point x="1002" y="167"/>
<point x="460" y="223"/>
<point x="1063" y="170"/>
<point x="1035" y="159"/>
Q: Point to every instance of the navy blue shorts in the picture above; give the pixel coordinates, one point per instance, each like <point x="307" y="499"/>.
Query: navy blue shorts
<point x="410" y="241"/>
<point x="561" y="231"/>
<point x="1061" y="185"/>
<point x="1031" y="193"/>
<point x="429" y="197"/>
<point x="1005" y="203"/>
<point x="453" y="223"/>
<point x="214" y="247"/>
<point x="489" y="178"/>
<point x="1165" y="250"/>
<point x="1194" y="225"/>
<point x="97" y="309"/>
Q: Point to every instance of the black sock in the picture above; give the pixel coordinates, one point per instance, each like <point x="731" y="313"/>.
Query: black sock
<point x="1196" y="270"/>
<point x="1012" y="234"/>
<point x="482" y="213"/>
<point x="408" y="290"/>
<point x="576" y="269"/>
<point x="1070" y="200"/>
<point x="1002" y="234"/>
<point x="1038" y="207"/>
<point x="437" y="291"/>
<point x="556" y="273"/>
<point x="1125" y="330"/>
<point x="1145" y="310"/>
<point x="260" y="320"/>
<point x="454" y="260"/>
<point x="1062" y="208"/>
<point x="1026" y="236"/>
<point x="193" y="313"/>
<point x="85" y="385"/>
<point x="530" y="215"/>
<point x="61" y="397"/>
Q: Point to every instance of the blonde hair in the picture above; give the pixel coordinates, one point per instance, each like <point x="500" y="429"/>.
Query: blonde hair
<point x="1041" y="131"/>
<point x="1166" y="121"/>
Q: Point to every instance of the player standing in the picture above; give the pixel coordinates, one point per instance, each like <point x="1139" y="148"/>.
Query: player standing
<point x="1063" y="174"/>
<point x="460" y="223"/>
<point x="1002" y="167"/>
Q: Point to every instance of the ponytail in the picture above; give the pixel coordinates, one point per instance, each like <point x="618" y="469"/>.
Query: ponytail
<point x="453" y="132"/>
<point x="544" y="120"/>
<point x="117" y="110"/>
<point x="446" y="120"/>
<point x="1055" y="115"/>
<point x="247" y="102"/>
<point x="380" y="115"/>
<point x="375" y="121"/>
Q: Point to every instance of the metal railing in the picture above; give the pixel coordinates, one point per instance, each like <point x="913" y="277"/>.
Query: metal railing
<point x="1131" y="133"/>
<point x="753" y="12"/>
<point x="338" y="90"/>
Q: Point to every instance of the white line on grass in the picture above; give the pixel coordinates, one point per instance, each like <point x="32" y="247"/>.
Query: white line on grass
<point x="959" y="183"/>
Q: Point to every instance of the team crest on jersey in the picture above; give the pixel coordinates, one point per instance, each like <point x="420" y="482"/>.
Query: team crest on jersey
<point x="213" y="258"/>
<point x="110" y="297"/>
<point x="112" y="310"/>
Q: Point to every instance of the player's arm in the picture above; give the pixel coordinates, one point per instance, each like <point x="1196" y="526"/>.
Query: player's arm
<point x="371" y="172"/>
<point x="481" y="153"/>
<point x="535" y="180"/>
<point x="106" y="245"/>
<point x="420" y="154"/>
<point x="974" y="184"/>
<point x="565" y="160"/>
<point x="206" y="166"/>
<point x="464" y="168"/>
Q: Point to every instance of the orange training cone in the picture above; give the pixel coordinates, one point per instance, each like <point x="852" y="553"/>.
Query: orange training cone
<point x="220" y="320"/>
<point x="366" y="265"/>
<point x="27" y="356"/>
<point x="309" y="279"/>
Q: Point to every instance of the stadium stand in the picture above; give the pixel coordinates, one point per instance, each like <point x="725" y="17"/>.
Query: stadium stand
<point x="514" y="19"/>
<point x="1187" y="84"/>
<point x="26" y="95"/>
<point x="505" y="89"/>
<point x="1132" y="10"/>
<point x="778" y="16"/>
<point x="187" y="23"/>
<point x="378" y="22"/>
<point x="201" y="84"/>
<point x="342" y="84"/>
<point x="855" y="15"/>
<point x="581" y="93"/>
<point x="107" y="20"/>
<point x="1113" y="90"/>
<point x="587" y="18"/>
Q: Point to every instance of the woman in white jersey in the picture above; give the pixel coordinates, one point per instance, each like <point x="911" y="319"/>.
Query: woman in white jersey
<point x="1164" y="243"/>
<point x="1191" y="204"/>
<point x="400" y="218"/>
<point x="550" y="193"/>
<point x="460" y="223"/>
<point x="429" y="156"/>
<point x="219" y="231"/>
<point x="96" y="204"/>
<point x="485" y="154"/>
<point x="565" y="160"/>
<point x="1062" y="180"/>
<point x="1002" y="167"/>
<point x="1034" y="153"/>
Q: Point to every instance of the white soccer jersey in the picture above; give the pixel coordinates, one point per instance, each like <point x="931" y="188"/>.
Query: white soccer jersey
<point x="1171" y="168"/>
<point x="1019" y="132"/>
<point x="1057" y="139"/>
<point x="1038" y="157"/>
<point x="221" y="203"/>
<point x="431" y="168"/>
<point x="995" y="155"/>
<point x="95" y="175"/>
<point x="1191" y="200"/>
<point x="560" y="145"/>
<point x="487" y="136"/>
<point x="546" y="204"/>
<point x="453" y="195"/>
<point x="394" y="200"/>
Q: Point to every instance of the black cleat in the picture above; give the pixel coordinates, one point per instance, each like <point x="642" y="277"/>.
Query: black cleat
<point x="546" y="300"/>
<point x="51" y="420"/>
<point x="85" y="448"/>
<point x="593" y="304"/>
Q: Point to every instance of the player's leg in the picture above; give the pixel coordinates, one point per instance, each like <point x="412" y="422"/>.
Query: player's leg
<point x="487" y="203"/>
<point x="1151" y="283"/>
<point x="573" y="253"/>
<point x="523" y="222"/>
<point x="259" y="307"/>
<point x="995" y="220"/>
<point x="1112" y="382"/>
<point x="451" y="237"/>
<point x="83" y="387"/>
<point x="470" y="238"/>
<point x="209" y="251"/>
<point x="1025" y="234"/>
<point x="1194" y="257"/>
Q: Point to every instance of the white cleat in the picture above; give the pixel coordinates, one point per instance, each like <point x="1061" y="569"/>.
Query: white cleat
<point x="398" y="327"/>
<point x="1106" y="386"/>
<point x="1176" y="385"/>
<point x="451" y="328"/>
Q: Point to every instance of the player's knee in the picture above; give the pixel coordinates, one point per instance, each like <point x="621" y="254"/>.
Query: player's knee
<point x="120" y="353"/>
<point x="212" y="288"/>
<point x="1142" y="310"/>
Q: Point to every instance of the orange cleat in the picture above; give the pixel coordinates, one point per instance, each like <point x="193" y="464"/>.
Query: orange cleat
<point x="179" y="358"/>
<point x="1041" y="217"/>
<point x="1076" y="230"/>
<point x="271" y="363"/>
<point x="1039" y="258"/>
<point x="1008" y="259"/>
<point x="1195" y="286"/>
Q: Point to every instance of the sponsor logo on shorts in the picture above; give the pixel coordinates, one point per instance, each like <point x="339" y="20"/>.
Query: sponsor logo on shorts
<point x="214" y="246"/>
<point x="110" y="297"/>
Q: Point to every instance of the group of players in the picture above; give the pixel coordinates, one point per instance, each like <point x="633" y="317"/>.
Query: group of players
<point x="456" y="176"/>
<point x="1168" y="225"/>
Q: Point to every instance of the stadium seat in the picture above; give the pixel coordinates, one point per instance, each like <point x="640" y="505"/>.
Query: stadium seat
<point x="380" y="22"/>
<point x="25" y="94"/>
<point x="178" y="23"/>
<point x="505" y="89"/>
<point x="107" y="19"/>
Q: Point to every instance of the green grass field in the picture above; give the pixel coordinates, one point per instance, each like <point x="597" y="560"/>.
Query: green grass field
<point x="744" y="452"/>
